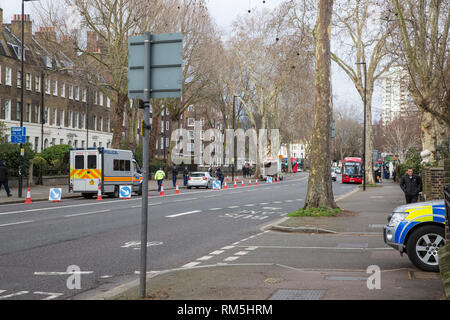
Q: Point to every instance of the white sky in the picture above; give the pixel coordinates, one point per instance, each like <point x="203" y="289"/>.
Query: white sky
<point x="224" y="13"/>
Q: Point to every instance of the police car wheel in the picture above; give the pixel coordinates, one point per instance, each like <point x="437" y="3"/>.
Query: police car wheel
<point x="423" y="245"/>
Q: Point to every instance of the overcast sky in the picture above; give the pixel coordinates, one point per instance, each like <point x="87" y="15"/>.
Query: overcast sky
<point x="224" y="13"/>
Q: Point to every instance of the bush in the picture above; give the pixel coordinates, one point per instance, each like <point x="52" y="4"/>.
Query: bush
<point x="56" y="161"/>
<point x="315" y="212"/>
<point x="11" y="153"/>
<point x="413" y="160"/>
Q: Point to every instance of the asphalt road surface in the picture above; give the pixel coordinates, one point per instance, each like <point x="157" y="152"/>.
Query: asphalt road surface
<point x="40" y="241"/>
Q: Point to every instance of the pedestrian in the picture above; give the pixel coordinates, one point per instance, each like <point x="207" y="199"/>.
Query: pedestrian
<point x="411" y="185"/>
<point x="185" y="176"/>
<point x="220" y="176"/>
<point x="4" y="177"/>
<point x="244" y="171"/>
<point x="174" y="175"/>
<point x="210" y="170"/>
<point x="159" y="176"/>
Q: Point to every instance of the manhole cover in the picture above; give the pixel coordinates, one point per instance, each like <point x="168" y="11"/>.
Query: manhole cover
<point x="289" y="294"/>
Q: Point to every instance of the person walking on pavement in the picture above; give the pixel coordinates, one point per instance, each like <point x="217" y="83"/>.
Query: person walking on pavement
<point x="159" y="176"/>
<point x="411" y="185"/>
<point x="185" y="176"/>
<point x="4" y="177"/>
<point x="220" y="176"/>
<point x="174" y="175"/>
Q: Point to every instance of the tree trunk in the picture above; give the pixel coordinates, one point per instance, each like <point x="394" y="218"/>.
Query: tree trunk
<point x="131" y="133"/>
<point x="433" y="133"/>
<point x="289" y="158"/>
<point x="117" y="120"/>
<point x="320" y="192"/>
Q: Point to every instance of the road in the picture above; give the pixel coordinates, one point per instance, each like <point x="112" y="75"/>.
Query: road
<point x="197" y="227"/>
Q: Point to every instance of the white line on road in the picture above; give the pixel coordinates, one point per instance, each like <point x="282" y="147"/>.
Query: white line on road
<point x="190" y="265"/>
<point x="217" y="252"/>
<point x="227" y="247"/>
<point x="14" y="223"/>
<point x="184" y="199"/>
<point x="241" y="253"/>
<point x="85" y="213"/>
<point x="233" y="207"/>
<point x="215" y="209"/>
<point x="49" y="294"/>
<point x="64" y="273"/>
<point x="232" y="258"/>
<point x="183" y="213"/>
<point x="20" y="293"/>
<point x="204" y="258"/>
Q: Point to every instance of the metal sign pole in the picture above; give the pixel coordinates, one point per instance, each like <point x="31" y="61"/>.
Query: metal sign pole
<point x="144" y="212"/>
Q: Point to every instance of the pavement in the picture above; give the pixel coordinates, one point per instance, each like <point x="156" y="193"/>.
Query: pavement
<point x="281" y="262"/>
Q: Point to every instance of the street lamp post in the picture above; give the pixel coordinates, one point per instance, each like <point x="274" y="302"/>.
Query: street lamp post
<point x="364" y="133"/>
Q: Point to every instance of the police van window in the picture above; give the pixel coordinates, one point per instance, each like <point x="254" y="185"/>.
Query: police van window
<point x="79" y="162"/>
<point x="92" y="162"/>
<point x="116" y="165"/>
<point x="127" y="165"/>
<point x="122" y="165"/>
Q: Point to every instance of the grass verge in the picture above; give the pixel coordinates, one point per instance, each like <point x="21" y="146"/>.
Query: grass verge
<point x="315" y="212"/>
<point x="372" y="185"/>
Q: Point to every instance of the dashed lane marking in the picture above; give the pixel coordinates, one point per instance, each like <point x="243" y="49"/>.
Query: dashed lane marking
<point x="190" y="264"/>
<point x="232" y="258"/>
<point x="50" y="295"/>
<point x="15" y="223"/>
<point x="20" y="293"/>
<point x="217" y="252"/>
<point x="183" y="214"/>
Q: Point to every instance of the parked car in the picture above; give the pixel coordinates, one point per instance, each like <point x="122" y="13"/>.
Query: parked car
<point x="200" y="179"/>
<point x="418" y="229"/>
<point x="333" y="174"/>
<point x="337" y="170"/>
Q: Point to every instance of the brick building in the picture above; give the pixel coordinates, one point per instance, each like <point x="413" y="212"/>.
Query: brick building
<point x="59" y="106"/>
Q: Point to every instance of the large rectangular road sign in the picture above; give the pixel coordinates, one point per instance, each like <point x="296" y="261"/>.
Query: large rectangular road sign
<point x="166" y="61"/>
<point x="18" y="135"/>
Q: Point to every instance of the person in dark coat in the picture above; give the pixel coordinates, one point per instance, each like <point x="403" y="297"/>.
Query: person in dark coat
<point x="220" y="176"/>
<point x="185" y="176"/>
<point x="174" y="175"/>
<point x="4" y="177"/>
<point x="411" y="185"/>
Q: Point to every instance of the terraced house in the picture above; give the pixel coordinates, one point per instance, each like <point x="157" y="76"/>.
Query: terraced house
<point x="59" y="105"/>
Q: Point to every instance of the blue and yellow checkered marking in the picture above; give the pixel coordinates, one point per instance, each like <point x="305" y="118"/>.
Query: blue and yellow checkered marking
<point x="418" y="215"/>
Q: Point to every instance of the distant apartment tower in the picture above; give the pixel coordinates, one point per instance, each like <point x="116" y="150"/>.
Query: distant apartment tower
<point x="397" y="100"/>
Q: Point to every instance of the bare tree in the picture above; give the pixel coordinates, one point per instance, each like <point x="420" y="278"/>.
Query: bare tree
<point x="402" y="134"/>
<point x="349" y="132"/>
<point x="320" y="192"/>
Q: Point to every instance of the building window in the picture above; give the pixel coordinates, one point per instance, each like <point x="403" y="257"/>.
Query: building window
<point x="191" y="108"/>
<point x="28" y="113"/>
<point x="18" y="111"/>
<point x="108" y="102"/>
<point x="46" y="114"/>
<point x="161" y="145"/>
<point x="70" y="91"/>
<point x="167" y="142"/>
<point x="63" y="90"/>
<point x="95" y="97"/>
<point x="8" y="76"/>
<point x="69" y="119"/>
<point x="53" y="141"/>
<point x="47" y="86"/>
<point x="191" y="134"/>
<point x="55" y="87"/>
<point x="28" y="81"/>
<point x="77" y="93"/>
<point x="36" y="144"/>
<point x="37" y="84"/>
<point x="75" y="120"/>
<point x="19" y="79"/>
<point x="61" y="118"/>
<point x="84" y="94"/>
<point x="54" y="115"/>
<point x="61" y="141"/>
<point x="101" y="123"/>
<point x="109" y="125"/>
<point x="162" y="126"/>
<point x="167" y="125"/>
<point x="7" y="109"/>
<point x="83" y="119"/>
<point x="190" y="122"/>
<point x="36" y="113"/>
<point x="95" y="123"/>
<point x="202" y="122"/>
<point x="100" y="98"/>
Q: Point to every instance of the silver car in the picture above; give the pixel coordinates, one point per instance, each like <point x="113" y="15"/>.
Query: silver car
<point x="200" y="179"/>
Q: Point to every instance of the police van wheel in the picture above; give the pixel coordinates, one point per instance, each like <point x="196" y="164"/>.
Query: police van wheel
<point x="87" y="195"/>
<point x="140" y="190"/>
<point x="116" y="192"/>
<point x="423" y="245"/>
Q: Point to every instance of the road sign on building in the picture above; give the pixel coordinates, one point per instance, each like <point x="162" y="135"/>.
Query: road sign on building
<point x="18" y="134"/>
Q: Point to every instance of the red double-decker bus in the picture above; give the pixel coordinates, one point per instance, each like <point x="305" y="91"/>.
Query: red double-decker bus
<point x="352" y="170"/>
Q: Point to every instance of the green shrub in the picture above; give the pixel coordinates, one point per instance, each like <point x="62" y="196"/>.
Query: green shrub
<point x="11" y="153"/>
<point x="57" y="152"/>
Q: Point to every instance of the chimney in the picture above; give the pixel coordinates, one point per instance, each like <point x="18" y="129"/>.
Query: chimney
<point x="46" y="34"/>
<point x="16" y="27"/>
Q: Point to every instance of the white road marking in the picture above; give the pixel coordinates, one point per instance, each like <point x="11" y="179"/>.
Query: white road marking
<point x="217" y="252"/>
<point x="85" y="213"/>
<point x="228" y="247"/>
<point x="20" y="293"/>
<point x="249" y="205"/>
<point x="251" y="248"/>
<point x="264" y="203"/>
<point x="14" y="223"/>
<point x="214" y="209"/>
<point x="105" y="277"/>
<point x="183" y="213"/>
<point x="288" y="200"/>
<point x="184" y="199"/>
<point x="241" y="253"/>
<point x="49" y="294"/>
<point x="271" y="208"/>
<point x="276" y="202"/>
<point x="190" y="265"/>
<point x="232" y="258"/>
<point x="233" y="207"/>
<point x="64" y="273"/>
<point x="204" y="258"/>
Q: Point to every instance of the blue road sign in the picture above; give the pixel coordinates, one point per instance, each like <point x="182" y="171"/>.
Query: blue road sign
<point x="269" y="180"/>
<point x="55" y="194"/>
<point x="216" y="185"/>
<point x="125" y="192"/>
<point x="18" y="134"/>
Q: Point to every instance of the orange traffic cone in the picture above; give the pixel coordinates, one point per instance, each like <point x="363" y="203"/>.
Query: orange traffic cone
<point x="177" y="190"/>
<point x="242" y="184"/>
<point x="256" y="183"/>
<point x="28" y="197"/>
<point x="250" y="182"/>
<point x="234" y="186"/>
<point x="99" y="193"/>
<point x="225" y="185"/>
<point x="161" y="193"/>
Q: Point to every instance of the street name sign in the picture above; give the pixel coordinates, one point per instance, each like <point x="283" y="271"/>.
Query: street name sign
<point x="18" y="134"/>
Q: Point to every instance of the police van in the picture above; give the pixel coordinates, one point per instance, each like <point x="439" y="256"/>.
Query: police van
<point x="107" y="168"/>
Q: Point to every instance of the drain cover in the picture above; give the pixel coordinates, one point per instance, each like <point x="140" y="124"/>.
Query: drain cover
<point x="289" y="294"/>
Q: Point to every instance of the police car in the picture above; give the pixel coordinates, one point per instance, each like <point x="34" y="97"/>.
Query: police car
<point x="418" y="230"/>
